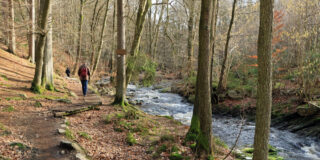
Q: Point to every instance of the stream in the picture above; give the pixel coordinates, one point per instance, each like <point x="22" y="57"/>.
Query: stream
<point x="291" y="146"/>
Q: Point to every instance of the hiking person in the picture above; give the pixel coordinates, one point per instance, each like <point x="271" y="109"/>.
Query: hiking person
<point x="84" y="74"/>
<point x="68" y="72"/>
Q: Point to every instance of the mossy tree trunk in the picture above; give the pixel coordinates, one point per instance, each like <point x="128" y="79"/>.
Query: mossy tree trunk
<point x="222" y="86"/>
<point x="12" y="35"/>
<point x="121" y="59"/>
<point x="79" y="37"/>
<point x="101" y="43"/>
<point x="36" y="83"/>
<point x="144" y="6"/>
<point x="202" y="114"/>
<point x="264" y="95"/>
<point x="47" y="76"/>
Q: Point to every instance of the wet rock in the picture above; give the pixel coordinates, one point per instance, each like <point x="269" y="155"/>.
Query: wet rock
<point x="234" y="94"/>
<point x="309" y="109"/>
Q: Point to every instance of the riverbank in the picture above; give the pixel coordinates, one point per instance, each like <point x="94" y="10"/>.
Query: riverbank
<point x="288" y="112"/>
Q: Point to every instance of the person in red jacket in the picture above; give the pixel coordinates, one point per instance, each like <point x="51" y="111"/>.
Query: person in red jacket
<point x="84" y="74"/>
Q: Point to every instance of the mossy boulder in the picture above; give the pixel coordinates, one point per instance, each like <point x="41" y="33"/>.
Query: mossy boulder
<point x="309" y="109"/>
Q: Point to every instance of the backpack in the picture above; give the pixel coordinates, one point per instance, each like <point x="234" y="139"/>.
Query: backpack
<point x="83" y="72"/>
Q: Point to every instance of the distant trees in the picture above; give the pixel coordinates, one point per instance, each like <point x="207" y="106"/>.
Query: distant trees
<point x="222" y="86"/>
<point x="79" y="38"/>
<point x="264" y="95"/>
<point x="201" y="127"/>
<point x="32" y="36"/>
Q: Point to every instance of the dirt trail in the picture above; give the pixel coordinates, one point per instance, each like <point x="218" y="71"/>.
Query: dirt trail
<point x="34" y="126"/>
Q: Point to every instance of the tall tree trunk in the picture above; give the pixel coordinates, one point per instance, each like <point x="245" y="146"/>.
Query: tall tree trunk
<point x="32" y="36"/>
<point x="121" y="59"/>
<point x="79" y="37"/>
<point x="214" y="19"/>
<point x="113" y="55"/>
<point x="144" y="6"/>
<point x="36" y="83"/>
<point x="47" y="76"/>
<point x="101" y="40"/>
<point x="12" y="35"/>
<point x="191" y="6"/>
<point x="222" y="86"/>
<point x="264" y="95"/>
<point x="203" y="98"/>
<point x="202" y="115"/>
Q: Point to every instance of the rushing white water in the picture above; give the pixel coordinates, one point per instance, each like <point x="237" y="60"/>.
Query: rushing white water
<point x="291" y="146"/>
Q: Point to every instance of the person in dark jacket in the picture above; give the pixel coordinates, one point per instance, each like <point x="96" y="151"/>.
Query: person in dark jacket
<point x="68" y="72"/>
<point x="84" y="74"/>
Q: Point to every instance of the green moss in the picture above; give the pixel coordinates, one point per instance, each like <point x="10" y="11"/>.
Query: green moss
<point x="69" y="134"/>
<point x="50" y="87"/>
<point x="194" y="130"/>
<point x="162" y="148"/>
<point x="175" y="156"/>
<point x="8" y="109"/>
<point x="167" y="137"/>
<point x="203" y="143"/>
<point x="20" y="146"/>
<point x="37" y="104"/>
<point x="4" y="77"/>
<point x="130" y="139"/>
<point x="37" y="89"/>
<point x="168" y="117"/>
<point x="14" y="98"/>
<point x="85" y="135"/>
<point x="174" y="148"/>
<point x="219" y="142"/>
<point x="193" y="146"/>
<point x="108" y="118"/>
<point x="247" y="150"/>
<point x="120" y="115"/>
<point x="67" y="123"/>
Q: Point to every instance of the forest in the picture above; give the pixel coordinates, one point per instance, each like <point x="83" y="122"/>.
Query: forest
<point x="160" y="79"/>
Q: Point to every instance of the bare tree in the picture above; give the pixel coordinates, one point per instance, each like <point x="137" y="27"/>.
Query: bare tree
<point x="191" y="6"/>
<point x="264" y="95"/>
<point x="202" y="115"/>
<point x="36" y="83"/>
<point x="121" y="58"/>
<point x="79" y="37"/>
<point x="47" y="76"/>
<point x="32" y="36"/>
<point x="12" y="35"/>
<point x="144" y="6"/>
<point x="101" y="40"/>
<point x="222" y="80"/>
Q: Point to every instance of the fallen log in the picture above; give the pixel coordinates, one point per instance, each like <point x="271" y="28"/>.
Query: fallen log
<point x="57" y="113"/>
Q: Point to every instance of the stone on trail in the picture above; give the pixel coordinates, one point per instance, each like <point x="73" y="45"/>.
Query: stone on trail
<point x="64" y="126"/>
<point x="80" y="156"/>
<point x="61" y="131"/>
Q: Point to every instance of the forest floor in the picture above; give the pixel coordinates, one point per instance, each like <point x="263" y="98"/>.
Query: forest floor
<point x="28" y="129"/>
